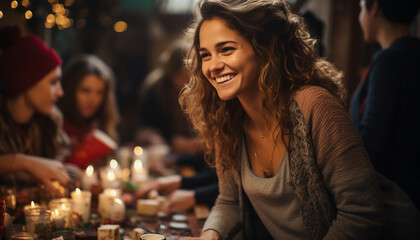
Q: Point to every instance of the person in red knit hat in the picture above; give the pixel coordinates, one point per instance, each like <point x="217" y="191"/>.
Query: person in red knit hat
<point x="30" y="135"/>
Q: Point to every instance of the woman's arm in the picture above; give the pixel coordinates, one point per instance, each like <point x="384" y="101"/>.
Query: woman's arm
<point x="46" y="170"/>
<point x="344" y="165"/>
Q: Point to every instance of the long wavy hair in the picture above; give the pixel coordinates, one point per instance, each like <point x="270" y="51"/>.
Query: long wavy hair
<point x="107" y="114"/>
<point x="289" y="61"/>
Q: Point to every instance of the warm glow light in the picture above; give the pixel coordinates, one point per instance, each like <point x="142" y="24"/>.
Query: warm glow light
<point x="120" y="26"/>
<point x="58" y="8"/>
<point x="69" y="3"/>
<point x="25" y="3"/>
<point x="63" y="206"/>
<point x="1" y="14"/>
<point x="49" y="24"/>
<point x="77" y="191"/>
<point x="111" y="176"/>
<point x="28" y="14"/>
<point x="138" y="150"/>
<point x="117" y="200"/>
<point x="14" y="4"/>
<point x="138" y="164"/>
<point x="113" y="163"/>
<point x="59" y="19"/>
<point x="113" y="192"/>
<point x="32" y="204"/>
<point x="89" y="170"/>
<point x="57" y="213"/>
<point x="50" y="18"/>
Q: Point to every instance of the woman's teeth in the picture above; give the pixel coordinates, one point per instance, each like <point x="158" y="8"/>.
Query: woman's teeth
<point x="225" y="78"/>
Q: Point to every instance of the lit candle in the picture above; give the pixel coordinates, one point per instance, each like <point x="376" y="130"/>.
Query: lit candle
<point x="117" y="210"/>
<point x="58" y="220"/>
<point x="81" y="203"/>
<point x="65" y="209"/>
<point x="33" y="205"/>
<point x="138" y="172"/>
<point x="106" y="199"/>
<point x="89" y="178"/>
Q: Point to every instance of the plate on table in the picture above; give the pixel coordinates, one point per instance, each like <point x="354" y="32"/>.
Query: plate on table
<point x="178" y="225"/>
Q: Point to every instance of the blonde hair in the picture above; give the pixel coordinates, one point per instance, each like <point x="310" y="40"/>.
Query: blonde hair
<point x="289" y="61"/>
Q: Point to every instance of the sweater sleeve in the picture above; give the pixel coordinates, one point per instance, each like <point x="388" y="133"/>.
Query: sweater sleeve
<point x="344" y="165"/>
<point x="225" y="215"/>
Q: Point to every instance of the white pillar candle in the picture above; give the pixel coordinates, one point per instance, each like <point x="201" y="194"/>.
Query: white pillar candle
<point x="58" y="220"/>
<point x="117" y="210"/>
<point x="89" y="178"/>
<point x="106" y="199"/>
<point x="81" y="203"/>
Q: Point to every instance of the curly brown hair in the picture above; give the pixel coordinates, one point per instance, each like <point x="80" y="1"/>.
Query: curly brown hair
<point x="289" y="61"/>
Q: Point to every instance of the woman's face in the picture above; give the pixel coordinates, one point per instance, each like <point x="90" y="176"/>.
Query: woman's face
<point x="42" y="97"/>
<point x="366" y="22"/>
<point x="90" y="95"/>
<point x="228" y="60"/>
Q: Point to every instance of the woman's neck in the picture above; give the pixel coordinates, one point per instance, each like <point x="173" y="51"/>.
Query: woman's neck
<point x="256" y="116"/>
<point x="19" y="110"/>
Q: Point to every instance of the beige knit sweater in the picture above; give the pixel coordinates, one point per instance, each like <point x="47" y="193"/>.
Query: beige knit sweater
<point x="334" y="182"/>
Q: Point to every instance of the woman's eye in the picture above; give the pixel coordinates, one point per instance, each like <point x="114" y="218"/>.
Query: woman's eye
<point x="227" y="49"/>
<point x="204" y="56"/>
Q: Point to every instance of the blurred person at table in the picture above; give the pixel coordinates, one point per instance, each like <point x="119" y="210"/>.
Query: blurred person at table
<point x="161" y="118"/>
<point x="384" y="107"/>
<point x="89" y="102"/>
<point x="290" y="163"/>
<point x="32" y="144"/>
<point x="186" y="191"/>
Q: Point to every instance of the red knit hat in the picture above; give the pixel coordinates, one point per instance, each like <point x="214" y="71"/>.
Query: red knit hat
<point x="24" y="63"/>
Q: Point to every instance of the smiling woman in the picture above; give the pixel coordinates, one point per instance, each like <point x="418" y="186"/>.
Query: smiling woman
<point x="270" y="112"/>
<point x="89" y="102"/>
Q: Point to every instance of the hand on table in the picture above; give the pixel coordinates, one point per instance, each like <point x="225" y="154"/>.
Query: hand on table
<point x="180" y="200"/>
<point x="46" y="170"/>
<point x="164" y="185"/>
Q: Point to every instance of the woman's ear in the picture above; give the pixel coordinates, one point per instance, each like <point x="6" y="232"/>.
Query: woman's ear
<point x="374" y="10"/>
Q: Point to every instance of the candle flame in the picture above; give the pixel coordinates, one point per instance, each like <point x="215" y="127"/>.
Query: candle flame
<point x="118" y="201"/>
<point x="63" y="206"/>
<point x="113" y="163"/>
<point x="32" y="204"/>
<point x="111" y="176"/>
<point x="138" y="164"/>
<point x="57" y="212"/>
<point x="78" y="191"/>
<point x="138" y="150"/>
<point x="89" y="170"/>
<point x="113" y="193"/>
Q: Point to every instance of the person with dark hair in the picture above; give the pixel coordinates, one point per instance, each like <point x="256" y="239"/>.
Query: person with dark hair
<point x="271" y="114"/>
<point x="89" y="102"/>
<point x="384" y="107"/>
<point x="31" y="140"/>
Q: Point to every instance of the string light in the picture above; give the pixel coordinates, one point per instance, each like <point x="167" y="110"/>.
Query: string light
<point x="14" y="4"/>
<point x="28" y="14"/>
<point x="25" y="3"/>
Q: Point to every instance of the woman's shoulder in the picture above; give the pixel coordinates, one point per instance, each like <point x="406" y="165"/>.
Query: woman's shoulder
<point x="311" y="97"/>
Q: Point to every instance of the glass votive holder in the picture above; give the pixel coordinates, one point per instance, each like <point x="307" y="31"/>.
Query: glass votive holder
<point x="23" y="236"/>
<point x="152" y="236"/>
<point x="81" y="204"/>
<point x="38" y="222"/>
<point x="63" y="211"/>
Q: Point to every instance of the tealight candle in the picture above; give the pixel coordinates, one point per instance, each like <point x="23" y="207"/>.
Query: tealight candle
<point x="89" y="178"/>
<point x="58" y="220"/>
<point x="65" y="208"/>
<point x="81" y="203"/>
<point x="33" y="205"/>
<point x="106" y="199"/>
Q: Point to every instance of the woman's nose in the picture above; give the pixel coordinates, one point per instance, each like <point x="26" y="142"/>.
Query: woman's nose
<point x="216" y="65"/>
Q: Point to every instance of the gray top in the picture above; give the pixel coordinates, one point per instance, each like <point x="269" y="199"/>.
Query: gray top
<point x="273" y="195"/>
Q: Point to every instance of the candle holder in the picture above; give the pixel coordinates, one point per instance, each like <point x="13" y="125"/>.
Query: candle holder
<point x="64" y="207"/>
<point x="81" y="204"/>
<point x="38" y="222"/>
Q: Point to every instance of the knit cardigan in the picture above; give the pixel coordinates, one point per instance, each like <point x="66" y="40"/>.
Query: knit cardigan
<point x="332" y="178"/>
